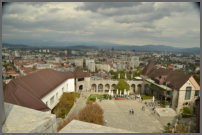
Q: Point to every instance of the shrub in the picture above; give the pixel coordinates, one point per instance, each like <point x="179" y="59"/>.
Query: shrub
<point x="186" y="112"/>
<point x="167" y="128"/>
<point x="90" y="102"/>
<point x="105" y="96"/>
<point x="163" y="103"/>
<point x="92" y="113"/>
<point x="65" y="104"/>
<point x="93" y="99"/>
<point x="181" y="128"/>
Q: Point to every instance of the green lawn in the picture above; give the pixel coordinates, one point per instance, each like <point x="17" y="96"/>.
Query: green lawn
<point x="145" y="97"/>
<point x="92" y="97"/>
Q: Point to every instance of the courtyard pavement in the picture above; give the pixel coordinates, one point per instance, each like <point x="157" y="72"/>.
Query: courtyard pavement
<point x="116" y="112"/>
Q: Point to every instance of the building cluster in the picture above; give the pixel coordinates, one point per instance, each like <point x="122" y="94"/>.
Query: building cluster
<point x="96" y="61"/>
<point x="37" y="79"/>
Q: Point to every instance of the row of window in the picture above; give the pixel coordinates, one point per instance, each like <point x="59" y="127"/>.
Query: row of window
<point x="188" y="93"/>
<point x="52" y="98"/>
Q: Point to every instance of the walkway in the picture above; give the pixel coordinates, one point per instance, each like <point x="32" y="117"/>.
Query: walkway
<point x="81" y="103"/>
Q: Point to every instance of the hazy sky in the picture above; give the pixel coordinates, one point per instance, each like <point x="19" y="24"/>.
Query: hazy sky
<point x="174" y="24"/>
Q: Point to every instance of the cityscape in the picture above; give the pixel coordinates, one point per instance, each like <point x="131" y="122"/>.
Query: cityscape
<point x="97" y="83"/>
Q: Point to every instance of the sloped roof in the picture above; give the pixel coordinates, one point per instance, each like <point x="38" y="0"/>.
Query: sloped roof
<point x="28" y="90"/>
<point x="175" y="79"/>
<point x="78" y="73"/>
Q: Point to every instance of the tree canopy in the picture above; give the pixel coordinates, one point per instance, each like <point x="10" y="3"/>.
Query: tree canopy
<point x="122" y="84"/>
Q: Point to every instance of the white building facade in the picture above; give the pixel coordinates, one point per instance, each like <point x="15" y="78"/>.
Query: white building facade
<point x="52" y="98"/>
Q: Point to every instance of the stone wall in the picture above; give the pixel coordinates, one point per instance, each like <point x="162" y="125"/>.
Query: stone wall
<point x="25" y="120"/>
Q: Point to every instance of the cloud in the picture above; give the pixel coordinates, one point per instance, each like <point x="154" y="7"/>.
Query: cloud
<point x="135" y="11"/>
<point x="175" y="24"/>
<point x="96" y="6"/>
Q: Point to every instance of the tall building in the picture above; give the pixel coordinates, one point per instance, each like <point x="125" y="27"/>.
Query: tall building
<point x="89" y="61"/>
<point x="69" y="53"/>
<point x="91" y="66"/>
<point x="16" y="54"/>
<point x="134" y="61"/>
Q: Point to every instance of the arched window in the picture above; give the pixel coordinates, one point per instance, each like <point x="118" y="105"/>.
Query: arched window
<point x="188" y="93"/>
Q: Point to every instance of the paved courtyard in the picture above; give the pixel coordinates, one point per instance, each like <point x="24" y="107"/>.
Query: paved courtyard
<point x="116" y="112"/>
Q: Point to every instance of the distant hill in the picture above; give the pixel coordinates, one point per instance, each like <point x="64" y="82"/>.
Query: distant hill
<point x="143" y="48"/>
<point x="159" y="48"/>
<point x="14" y="45"/>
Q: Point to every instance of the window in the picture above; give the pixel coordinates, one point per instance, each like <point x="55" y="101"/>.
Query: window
<point x="81" y="79"/>
<point x="188" y="93"/>
<point x="52" y="100"/>
<point x="196" y="94"/>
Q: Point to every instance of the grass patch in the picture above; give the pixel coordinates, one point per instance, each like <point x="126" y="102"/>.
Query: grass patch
<point x="145" y="97"/>
<point x="76" y="95"/>
<point x="65" y="104"/>
<point x="93" y="97"/>
<point x="163" y="103"/>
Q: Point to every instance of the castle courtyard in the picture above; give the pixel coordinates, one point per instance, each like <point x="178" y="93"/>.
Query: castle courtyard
<point x="116" y="114"/>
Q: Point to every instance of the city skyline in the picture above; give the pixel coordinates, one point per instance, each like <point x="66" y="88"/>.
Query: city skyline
<point x="173" y="24"/>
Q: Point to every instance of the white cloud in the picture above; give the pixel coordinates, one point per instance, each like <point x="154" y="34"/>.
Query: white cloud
<point x="174" y="24"/>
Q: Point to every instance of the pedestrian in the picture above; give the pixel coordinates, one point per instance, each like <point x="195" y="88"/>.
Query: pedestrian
<point x="132" y="111"/>
<point x="142" y="98"/>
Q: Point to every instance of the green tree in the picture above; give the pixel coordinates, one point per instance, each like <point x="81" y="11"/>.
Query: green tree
<point x="197" y="78"/>
<point x="111" y="72"/>
<point x="84" y="63"/>
<point x="122" y="74"/>
<point x="85" y="69"/>
<point x="34" y="67"/>
<point x="179" y="70"/>
<point x="122" y="85"/>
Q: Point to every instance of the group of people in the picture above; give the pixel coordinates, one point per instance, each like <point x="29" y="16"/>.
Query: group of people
<point x="131" y="111"/>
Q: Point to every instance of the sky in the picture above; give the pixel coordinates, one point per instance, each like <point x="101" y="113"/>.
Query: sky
<point x="127" y="23"/>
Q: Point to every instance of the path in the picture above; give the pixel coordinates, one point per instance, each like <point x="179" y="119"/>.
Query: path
<point x="81" y="103"/>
